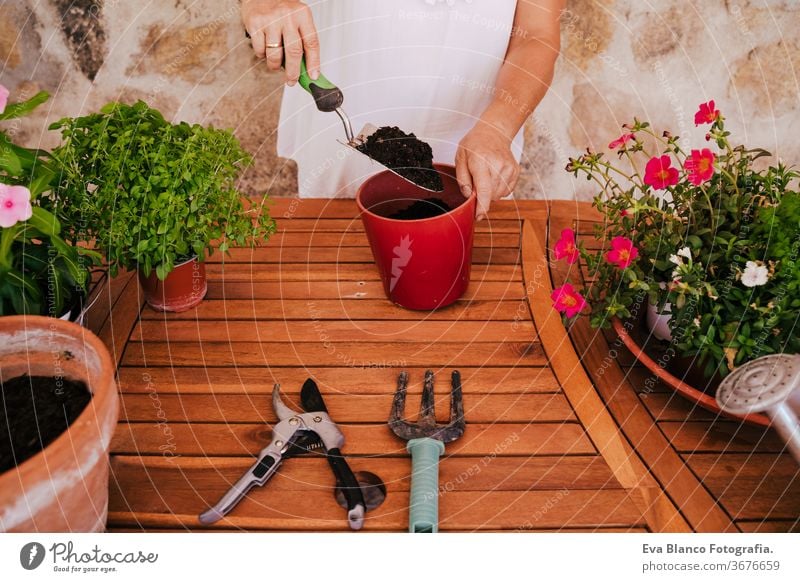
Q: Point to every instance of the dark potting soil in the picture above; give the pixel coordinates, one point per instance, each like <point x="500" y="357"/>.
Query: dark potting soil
<point x="405" y="154"/>
<point x="427" y="208"/>
<point x="34" y="411"/>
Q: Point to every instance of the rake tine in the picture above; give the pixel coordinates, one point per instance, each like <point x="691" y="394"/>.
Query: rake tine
<point x="456" y="399"/>
<point x="427" y="407"/>
<point x="399" y="401"/>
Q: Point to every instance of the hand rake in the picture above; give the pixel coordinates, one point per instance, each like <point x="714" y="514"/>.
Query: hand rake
<point x="426" y="441"/>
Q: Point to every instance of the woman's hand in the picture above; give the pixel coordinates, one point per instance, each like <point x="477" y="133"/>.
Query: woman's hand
<point x="485" y="164"/>
<point x="282" y="31"/>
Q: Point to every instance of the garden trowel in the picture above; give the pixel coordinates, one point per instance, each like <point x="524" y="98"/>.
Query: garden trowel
<point x="329" y="98"/>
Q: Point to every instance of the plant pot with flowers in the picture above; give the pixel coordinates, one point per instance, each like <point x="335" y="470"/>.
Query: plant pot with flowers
<point x="704" y="237"/>
<point x="58" y="400"/>
<point x="156" y="196"/>
<point x="40" y="274"/>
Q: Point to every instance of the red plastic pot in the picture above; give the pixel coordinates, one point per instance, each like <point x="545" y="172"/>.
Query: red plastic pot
<point x="424" y="264"/>
<point x="183" y="288"/>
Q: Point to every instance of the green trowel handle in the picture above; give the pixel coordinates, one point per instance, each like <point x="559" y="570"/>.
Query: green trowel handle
<point x="326" y="95"/>
<point x="423" y="512"/>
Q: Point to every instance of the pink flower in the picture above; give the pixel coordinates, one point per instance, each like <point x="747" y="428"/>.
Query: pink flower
<point x="622" y="252"/>
<point x="15" y="205"/>
<point x="659" y="174"/>
<point x="565" y="246"/>
<point x="3" y="98"/>
<point x="706" y="113"/>
<point x="568" y="301"/>
<point x="700" y="166"/>
<point x="621" y="140"/>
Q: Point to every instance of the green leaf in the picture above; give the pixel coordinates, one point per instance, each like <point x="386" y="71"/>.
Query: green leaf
<point x="14" y="110"/>
<point x="25" y="282"/>
<point x="69" y="255"/>
<point x="162" y="270"/>
<point x="55" y="288"/>
<point x="44" y="222"/>
<point x="9" y="161"/>
<point x="41" y="181"/>
<point x="7" y="237"/>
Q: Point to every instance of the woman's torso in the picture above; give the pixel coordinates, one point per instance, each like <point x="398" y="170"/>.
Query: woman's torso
<point x="428" y="69"/>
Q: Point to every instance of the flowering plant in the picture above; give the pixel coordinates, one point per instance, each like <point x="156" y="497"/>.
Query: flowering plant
<point x="39" y="273"/>
<point x="702" y="235"/>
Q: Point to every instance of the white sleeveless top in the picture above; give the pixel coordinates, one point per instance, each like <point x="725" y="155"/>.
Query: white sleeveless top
<point x="427" y="67"/>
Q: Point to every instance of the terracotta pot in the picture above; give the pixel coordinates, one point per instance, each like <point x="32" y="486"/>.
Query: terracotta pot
<point x="64" y="487"/>
<point x="183" y="288"/>
<point x="424" y="264"/>
<point x="700" y="397"/>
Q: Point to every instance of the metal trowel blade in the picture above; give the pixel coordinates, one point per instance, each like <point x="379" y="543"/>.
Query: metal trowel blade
<point x="361" y="137"/>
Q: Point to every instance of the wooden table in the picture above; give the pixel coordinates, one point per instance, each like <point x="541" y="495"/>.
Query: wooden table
<point x="551" y="442"/>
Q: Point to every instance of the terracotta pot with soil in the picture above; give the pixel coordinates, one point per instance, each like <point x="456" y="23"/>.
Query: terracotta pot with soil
<point x="59" y="411"/>
<point x="421" y="241"/>
<point x="680" y="374"/>
<point x="184" y="287"/>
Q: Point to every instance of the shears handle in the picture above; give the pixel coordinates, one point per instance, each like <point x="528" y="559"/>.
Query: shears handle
<point x="258" y="474"/>
<point x="348" y="484"/>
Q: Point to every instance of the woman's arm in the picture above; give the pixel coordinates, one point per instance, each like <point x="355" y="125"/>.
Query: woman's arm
<point x="484" y="161"/>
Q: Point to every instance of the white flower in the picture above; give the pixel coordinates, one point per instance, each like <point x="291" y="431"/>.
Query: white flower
<point x="754" y="274"/>
<point x="696" y="321"/>
<point x="677" y="259"/>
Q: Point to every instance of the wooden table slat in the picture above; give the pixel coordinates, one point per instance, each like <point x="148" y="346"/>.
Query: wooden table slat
<point x="333" y="332"/>
<point x="490" y="408"/>
<point x="220" y="287"/>
<point x="356" y="238"/>
<point x="459" y="511"/>
<point x="217" y="439"/>
<point x="272" y="255"/>
<point x="335" y="380"/>
<point x="288" y="309"/>
<point x="751" y="486"/>
<point x="358" y="354"/>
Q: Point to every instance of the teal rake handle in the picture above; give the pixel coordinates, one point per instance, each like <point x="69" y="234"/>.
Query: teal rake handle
<point x="423" y="513"/>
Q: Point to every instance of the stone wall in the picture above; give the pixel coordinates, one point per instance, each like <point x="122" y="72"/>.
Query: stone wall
<point x="620" y="58"/>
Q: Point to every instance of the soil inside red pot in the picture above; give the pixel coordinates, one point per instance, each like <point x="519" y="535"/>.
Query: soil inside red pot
<point x="420" y="209"/>
<point x="405" y="154"/>
<point x="34" y="411"/>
